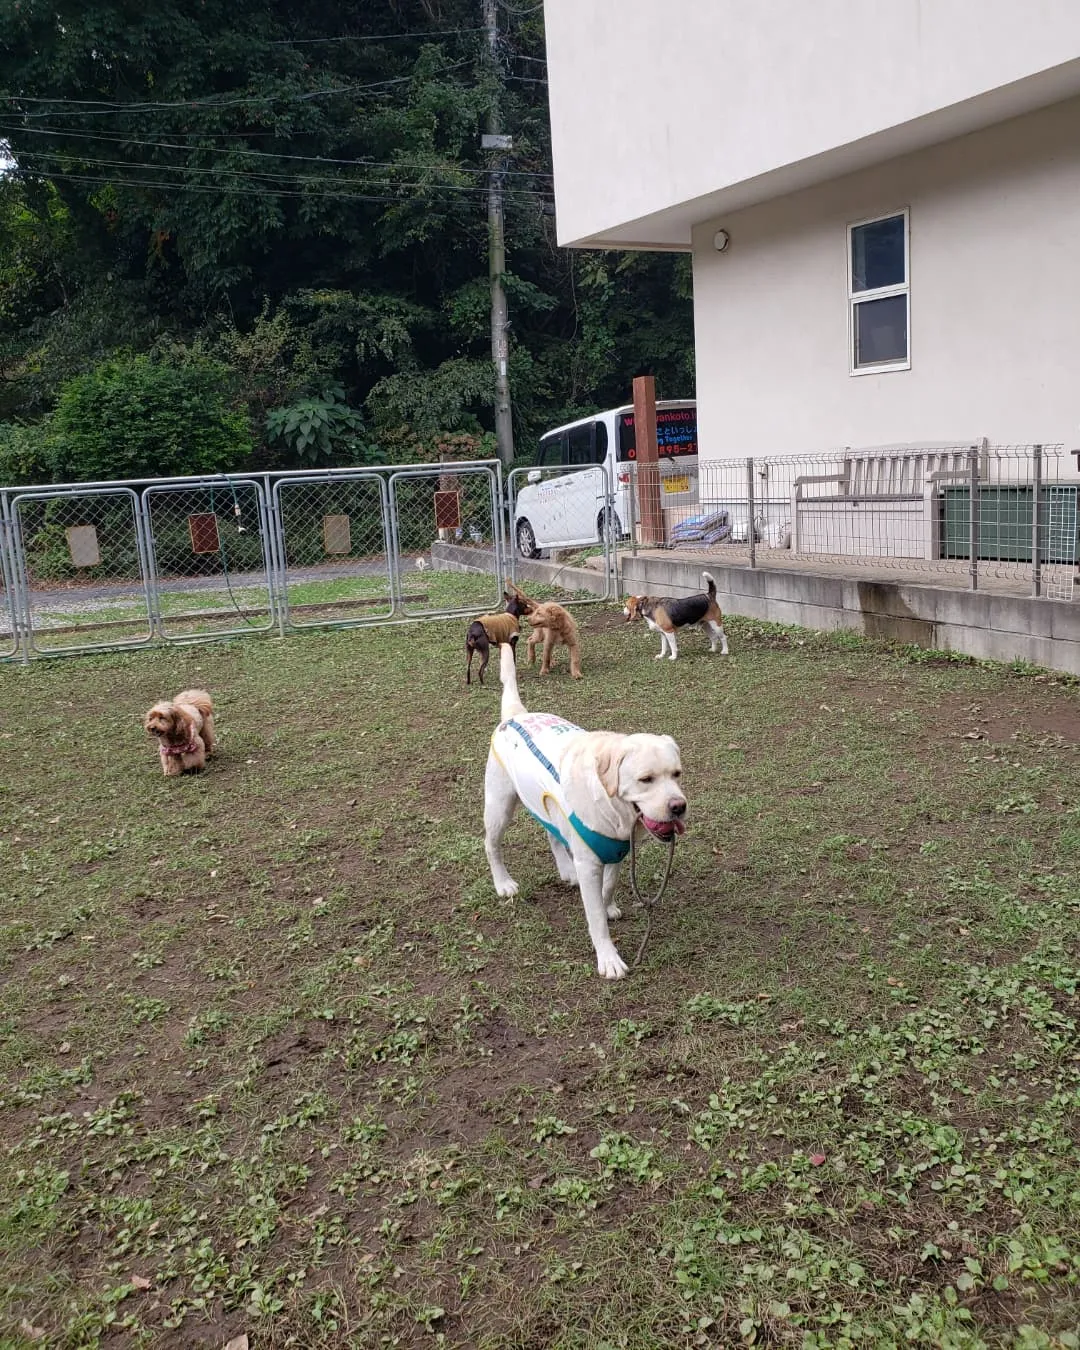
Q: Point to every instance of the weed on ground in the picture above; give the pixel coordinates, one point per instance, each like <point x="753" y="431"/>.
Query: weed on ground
<point x="275" y="1060"/>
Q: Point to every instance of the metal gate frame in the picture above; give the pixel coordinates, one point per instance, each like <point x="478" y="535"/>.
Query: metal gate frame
<point x="145" y="574"/>
<point x="458" y="469"/>
<point x="607" y="539"/>
<point x="204" y="485"/>
<point x="280" y="542"/>
<point x="8" y="575"/>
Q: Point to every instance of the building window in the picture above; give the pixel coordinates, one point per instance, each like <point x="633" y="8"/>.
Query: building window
<point x="879" y="294"/>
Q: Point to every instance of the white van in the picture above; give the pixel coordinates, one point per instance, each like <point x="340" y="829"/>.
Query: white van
<point x="556" y="509"/>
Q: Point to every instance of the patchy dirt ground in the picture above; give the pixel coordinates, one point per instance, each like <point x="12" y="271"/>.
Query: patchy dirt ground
<point x="276" y="1061"/>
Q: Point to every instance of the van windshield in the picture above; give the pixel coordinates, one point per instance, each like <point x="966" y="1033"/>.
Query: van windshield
<point x="676" y="433"/>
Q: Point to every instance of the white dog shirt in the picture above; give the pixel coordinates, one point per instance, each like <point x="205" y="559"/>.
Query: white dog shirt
<point x="530" y="748"/>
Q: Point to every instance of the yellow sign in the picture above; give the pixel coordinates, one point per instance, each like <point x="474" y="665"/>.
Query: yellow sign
<point x="677" y="483"/>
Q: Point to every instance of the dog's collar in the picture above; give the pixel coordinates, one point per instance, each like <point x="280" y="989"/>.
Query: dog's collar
<point x="189" y="749"/>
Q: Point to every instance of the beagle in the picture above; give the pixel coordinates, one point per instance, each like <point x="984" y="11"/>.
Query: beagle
<point x="667" y="614"/>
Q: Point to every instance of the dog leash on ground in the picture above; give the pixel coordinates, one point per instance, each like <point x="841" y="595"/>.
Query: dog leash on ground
<point x="649" y="902"/>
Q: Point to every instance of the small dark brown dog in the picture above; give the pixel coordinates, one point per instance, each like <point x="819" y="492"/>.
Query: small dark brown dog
<point x="553" y="626"/>
<point x="184" y="727"/>
<point x="489" y="630"/>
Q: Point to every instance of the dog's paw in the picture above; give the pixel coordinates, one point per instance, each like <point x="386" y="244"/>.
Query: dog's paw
<point x="614" y="912"/>
<point x="659" y="658"/>
<point x="671" y="657"/>
<point x="506" y="888"/>
<point x="611" y="965"/>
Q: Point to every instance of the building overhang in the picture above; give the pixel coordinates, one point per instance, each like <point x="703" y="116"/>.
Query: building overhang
<point x="670" y="229"/>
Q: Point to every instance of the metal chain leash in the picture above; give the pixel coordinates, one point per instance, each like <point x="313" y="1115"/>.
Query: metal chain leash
<point x="649" y="902"/>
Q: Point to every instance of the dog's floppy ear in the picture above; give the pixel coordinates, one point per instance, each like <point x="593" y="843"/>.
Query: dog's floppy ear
<point x="608" y="757"/>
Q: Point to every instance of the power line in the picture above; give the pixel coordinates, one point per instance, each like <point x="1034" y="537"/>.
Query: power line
<point x="320" y="179"/>
<point x="370" y="37"/>
<point x="261" y="154"/>
<point x="229" y="188"/>
<point x="104" y="108"/>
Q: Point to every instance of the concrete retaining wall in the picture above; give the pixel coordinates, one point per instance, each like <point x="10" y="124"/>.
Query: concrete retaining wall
<point x="977" y="623"/>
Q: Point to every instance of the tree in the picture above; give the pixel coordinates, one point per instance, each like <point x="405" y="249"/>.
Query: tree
<point x="224" y="167"/>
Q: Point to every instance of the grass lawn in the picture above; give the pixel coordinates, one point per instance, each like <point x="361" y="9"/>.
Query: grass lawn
<point x="275" y="1060"/>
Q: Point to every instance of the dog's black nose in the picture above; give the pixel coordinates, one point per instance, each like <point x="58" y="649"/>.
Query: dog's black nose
<point x="677" y="807"/>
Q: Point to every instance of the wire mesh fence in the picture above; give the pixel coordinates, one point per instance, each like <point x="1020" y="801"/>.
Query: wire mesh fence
<point x="9" y="630"/>
<point x="569" y="512"/>
<point x="99" y="566"/>
<point x="898" y="510"/>
<point x="452" y="503"/>
<point x="211" y="560"/>
<point x="335" y="548"/>
<point x="84" y="567"/>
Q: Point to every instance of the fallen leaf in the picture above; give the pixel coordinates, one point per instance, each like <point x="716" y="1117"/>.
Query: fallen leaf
<point x="30" y="1331"/>
<point x="139" y="1282"/>
<point x="964" y="932"/>
<point x="238" y="1342"/>
<point x="816" y="1159"/>
<point x="64" y="1048"/>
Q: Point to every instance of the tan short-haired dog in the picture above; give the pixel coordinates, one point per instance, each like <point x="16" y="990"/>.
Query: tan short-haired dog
<point x="184" y="727"/>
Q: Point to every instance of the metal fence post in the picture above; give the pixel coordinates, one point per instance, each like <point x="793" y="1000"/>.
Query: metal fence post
<point x="973" y="515"/>
<point x="751" y="532"/>
<point x="1036" y="481"/>
<point x="632" y="497"/>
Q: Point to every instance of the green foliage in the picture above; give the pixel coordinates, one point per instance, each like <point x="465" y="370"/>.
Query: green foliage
<point x="317" y="429"/>
<point x="249" y="182"/>
<point x="23" y="454"/>
<point x="135" y="417"/>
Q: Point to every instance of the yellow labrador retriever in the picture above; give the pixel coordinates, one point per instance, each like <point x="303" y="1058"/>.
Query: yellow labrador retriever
<point x="589" y="790"/>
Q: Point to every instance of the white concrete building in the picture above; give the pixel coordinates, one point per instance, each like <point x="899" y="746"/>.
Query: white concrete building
<point x="882" y="200"/>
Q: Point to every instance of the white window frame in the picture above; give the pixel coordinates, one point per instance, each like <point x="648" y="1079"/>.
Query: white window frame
<point x="879" y="293"/>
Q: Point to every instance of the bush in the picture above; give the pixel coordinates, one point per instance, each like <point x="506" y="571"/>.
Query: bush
<point x="137" y="418"/>
<point x="23" y="455"/>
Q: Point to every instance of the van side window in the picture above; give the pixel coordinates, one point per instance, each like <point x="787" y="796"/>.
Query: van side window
<point x="581" y="441"/>
<point x="600" y="453"/>
<point x="550" y="453"/>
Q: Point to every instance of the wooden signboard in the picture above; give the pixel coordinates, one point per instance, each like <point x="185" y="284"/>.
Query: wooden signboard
<point x="82" y="542"/>
<point x="336" y="533"/>
<point x="448" y="510"/>
<point x="203" y="529"/>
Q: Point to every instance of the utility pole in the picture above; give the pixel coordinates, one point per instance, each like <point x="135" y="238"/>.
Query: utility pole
<point x="497" y="142"/>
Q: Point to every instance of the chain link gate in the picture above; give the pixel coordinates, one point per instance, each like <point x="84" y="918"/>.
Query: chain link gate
<point x="459" y="503"/>
<point x="9" y="608"/>
<point x="566" y="508"/>
<point x="333" y="535"/>
<point x="83" y="559"/>
<point x="212" y="569"/>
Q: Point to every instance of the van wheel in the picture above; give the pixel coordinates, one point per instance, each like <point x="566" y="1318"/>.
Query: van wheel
<point x="526" y="540"/>
<point x="616" y="525"/>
